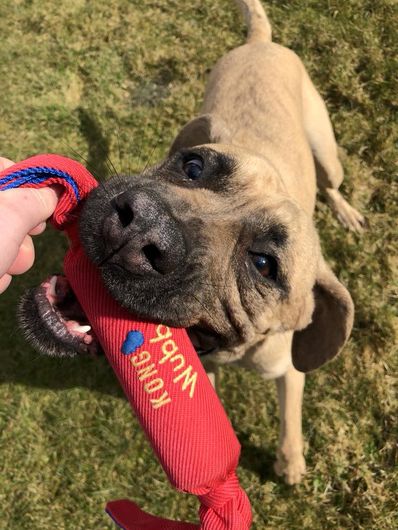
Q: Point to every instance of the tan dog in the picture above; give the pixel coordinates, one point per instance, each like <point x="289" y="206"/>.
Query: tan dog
<point x="219" y="237"/>
<point x="260" y="100"/>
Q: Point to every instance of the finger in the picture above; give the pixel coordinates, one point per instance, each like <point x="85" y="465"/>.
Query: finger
<point x="21" y="210"/>
<point x="39" y="229"/>
<point x="5" y="163"/>
<point x="5" y="282"/>
<point x="25" y="257"/>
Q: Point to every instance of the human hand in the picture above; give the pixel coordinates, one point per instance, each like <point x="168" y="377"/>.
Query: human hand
<point x="23" y="213"/>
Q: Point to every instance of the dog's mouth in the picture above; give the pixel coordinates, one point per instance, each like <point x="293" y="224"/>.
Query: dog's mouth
<point x="55" y="323"/>
<point x="54" y="308"/>
<point x="204" y="340"/>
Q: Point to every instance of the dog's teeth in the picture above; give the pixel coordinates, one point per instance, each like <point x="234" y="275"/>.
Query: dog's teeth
<point x="52" y="284"/>
<point x="82" y="329"/>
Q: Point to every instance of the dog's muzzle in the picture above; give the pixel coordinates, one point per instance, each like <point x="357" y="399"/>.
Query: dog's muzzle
<point x="141" y="236"/>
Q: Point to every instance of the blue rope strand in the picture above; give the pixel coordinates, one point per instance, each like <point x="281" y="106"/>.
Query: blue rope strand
<point x="35" y="175"/>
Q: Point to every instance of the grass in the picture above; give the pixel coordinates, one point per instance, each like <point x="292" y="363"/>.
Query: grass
<point x="117" y="79"/>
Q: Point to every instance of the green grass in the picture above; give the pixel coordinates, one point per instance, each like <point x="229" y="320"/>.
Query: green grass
<point x="117" y="79"/>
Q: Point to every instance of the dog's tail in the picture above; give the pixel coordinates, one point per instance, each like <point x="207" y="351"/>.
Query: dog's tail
<point x="259" y="27"/>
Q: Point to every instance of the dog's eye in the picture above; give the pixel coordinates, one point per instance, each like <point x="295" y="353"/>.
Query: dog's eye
<point x="193" y="167"/>
<point x="266" y="265"/>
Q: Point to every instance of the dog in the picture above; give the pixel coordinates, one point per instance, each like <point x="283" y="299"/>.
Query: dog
<point x="219" y="237"/>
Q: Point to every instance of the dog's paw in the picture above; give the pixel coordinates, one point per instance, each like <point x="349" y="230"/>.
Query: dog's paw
<point x="350" y="217"/>
<point x="291" y="468"/>
<point x="345" y="213"/>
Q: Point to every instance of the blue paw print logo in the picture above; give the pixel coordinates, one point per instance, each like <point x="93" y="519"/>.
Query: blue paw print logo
<point x="134" y="340"/>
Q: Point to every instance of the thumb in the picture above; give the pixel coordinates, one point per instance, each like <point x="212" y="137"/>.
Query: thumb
<point x="5" y="163"/>
<point x="21" y="210"/>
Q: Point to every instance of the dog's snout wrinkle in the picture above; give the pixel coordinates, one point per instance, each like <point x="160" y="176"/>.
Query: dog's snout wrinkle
<point x="112" y="253"/>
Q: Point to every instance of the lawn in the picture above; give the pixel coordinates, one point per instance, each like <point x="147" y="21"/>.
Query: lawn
<point x="114" y="80"/>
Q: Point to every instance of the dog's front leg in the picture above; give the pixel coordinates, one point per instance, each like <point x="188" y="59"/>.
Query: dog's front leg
<point x="290" y="461"/>
<point x="329" y="171"/>
<point x="213" y="373"/>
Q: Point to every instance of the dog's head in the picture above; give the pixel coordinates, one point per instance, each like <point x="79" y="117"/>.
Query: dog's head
<point x="210" y="240"/>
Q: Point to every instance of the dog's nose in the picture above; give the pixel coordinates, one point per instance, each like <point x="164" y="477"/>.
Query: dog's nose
<point x="143" y="235"/>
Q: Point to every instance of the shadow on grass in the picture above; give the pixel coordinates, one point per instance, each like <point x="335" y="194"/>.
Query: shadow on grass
<point x="27" y="367"/>
<point x="258" y="460"/>
<point x="98" y="161"/>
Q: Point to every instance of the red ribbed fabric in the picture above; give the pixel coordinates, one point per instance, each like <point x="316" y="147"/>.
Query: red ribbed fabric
<point x="164" y="382"/>
<point x="128" y="515"/>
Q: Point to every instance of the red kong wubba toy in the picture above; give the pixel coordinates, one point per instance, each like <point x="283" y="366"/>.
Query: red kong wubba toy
<point x="158" y="368"/>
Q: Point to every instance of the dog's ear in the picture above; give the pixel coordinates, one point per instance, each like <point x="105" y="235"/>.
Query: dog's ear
<point x="330" y="326"/>
<point x="205" y="129"/>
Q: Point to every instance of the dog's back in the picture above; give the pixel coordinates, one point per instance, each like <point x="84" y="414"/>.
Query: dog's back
<point x="256" y="90"/>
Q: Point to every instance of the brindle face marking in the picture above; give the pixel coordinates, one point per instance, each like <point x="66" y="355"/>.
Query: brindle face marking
<point x="181" y="243"/>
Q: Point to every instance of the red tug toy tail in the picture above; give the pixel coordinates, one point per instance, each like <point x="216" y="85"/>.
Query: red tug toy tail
<point x="158" y="369"/>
